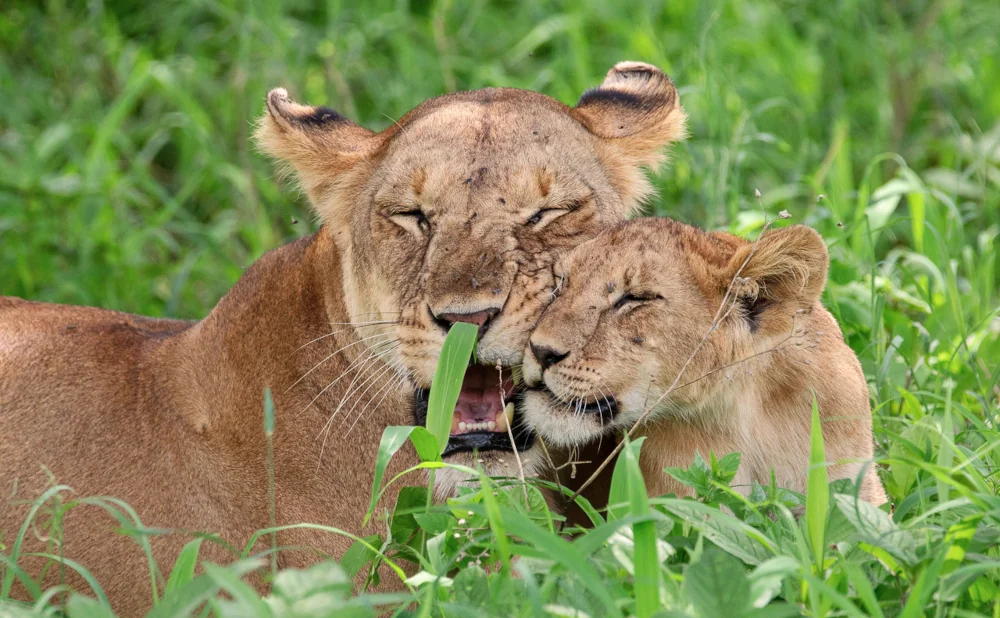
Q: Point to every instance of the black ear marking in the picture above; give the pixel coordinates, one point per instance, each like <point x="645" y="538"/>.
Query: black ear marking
<point x="753" y="307"/>
<point x="319" y="117"/>
<point x="648" y="103"/>
<point x="284" y="109"/>
<point x="612" y="96"/>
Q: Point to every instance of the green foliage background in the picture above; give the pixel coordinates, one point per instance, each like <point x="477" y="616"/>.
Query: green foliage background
<point x="128" y="181"/>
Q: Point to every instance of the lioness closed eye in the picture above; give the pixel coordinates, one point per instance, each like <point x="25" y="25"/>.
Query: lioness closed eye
<point x="636" y="309"/>
<point x="454" y="213"/>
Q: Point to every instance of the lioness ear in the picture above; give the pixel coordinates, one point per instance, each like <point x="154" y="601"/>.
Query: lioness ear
<point x="636" y="112"/>
<point x="320" y="145"/>
<point x="786" y="267"/>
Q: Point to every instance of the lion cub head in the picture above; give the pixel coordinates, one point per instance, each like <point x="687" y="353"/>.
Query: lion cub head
<point x="456" y="212"/>
<point x="654" y="305"/>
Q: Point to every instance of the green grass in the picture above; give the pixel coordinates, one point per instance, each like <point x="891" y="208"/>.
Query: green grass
<point x="127" y="180"/>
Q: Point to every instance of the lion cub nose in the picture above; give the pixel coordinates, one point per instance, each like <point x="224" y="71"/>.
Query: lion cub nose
<point x="547" y="356"/>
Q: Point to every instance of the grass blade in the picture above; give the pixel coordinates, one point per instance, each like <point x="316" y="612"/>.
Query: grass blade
<point x="818" y="489"/>
<point x="15" y="551"/>
<point x="245" y="601"/>
<point x="562" y="552"/>
<point x="645" y="557"/>
<point x="271" y="497"/>
<point x="185" y="599"/>
<point x="447" y="382"/>
<point x="393" y="438"/>
<point x="183" y="571"/>
<point x="619" y="497"/>
<point x="925" y="585"/>
<point x="83" y="572"/>
<point x="80" y="606"/>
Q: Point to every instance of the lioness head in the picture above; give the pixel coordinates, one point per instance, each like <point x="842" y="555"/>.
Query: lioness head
<point x="654" y="304"/>
<point x="456" y="212"/>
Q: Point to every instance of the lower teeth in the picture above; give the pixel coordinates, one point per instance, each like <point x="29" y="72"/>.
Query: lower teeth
<point x="499" y="425"/>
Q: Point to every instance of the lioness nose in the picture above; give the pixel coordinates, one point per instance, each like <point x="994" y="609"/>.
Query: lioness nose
<point x="547" y="356"/>
<point x="479" y="318"/>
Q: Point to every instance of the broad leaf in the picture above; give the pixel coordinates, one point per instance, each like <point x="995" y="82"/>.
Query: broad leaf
<point x="726" y="531"/>
<point x="717" y="585"/>
<point x="875" y="527"/>
<point x="472" y="588"/>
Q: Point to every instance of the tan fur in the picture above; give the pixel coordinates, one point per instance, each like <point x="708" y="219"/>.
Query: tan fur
<point x="167" y="415"/>
<point x="747" y="389"/>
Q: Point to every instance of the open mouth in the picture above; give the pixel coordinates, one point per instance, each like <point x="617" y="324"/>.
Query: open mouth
<point x="484" y="412"/>
<point x="605" y="407"/>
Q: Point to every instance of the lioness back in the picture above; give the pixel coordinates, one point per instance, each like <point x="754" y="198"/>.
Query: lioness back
<point x="85" y="391"/>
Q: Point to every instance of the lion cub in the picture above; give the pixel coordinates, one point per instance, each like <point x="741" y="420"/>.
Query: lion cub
<point x="723" y="339"/>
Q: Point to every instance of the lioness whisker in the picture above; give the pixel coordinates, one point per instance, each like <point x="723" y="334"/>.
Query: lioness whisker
<point x="386" y="388"/>
<point x="332" y="354"/>
<point x="400" y="379"/>
<point x="353" y="387"/>
<point x="325" y="432"/>
<point x="343" y="330"/>
<point x="358" y="397"/>
<point x="363" y="360"/>
<point x="364" y="323"/>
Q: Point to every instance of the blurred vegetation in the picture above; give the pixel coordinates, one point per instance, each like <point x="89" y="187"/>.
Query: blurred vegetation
<point x="127" y="178"/>
<point x="128" y="181"/>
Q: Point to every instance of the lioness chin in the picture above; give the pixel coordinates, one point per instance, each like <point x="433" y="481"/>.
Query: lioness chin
<point x="723" y="340"/>
<point x="454" y="213"/>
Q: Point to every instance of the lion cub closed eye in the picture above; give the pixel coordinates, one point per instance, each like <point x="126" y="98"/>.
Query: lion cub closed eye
<point x="725" y="339"/>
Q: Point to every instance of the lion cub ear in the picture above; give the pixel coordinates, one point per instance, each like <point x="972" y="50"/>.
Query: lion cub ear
<point x="785" y="267"/>
<point x="320" y="145"/>
<point x="636" y="112"/>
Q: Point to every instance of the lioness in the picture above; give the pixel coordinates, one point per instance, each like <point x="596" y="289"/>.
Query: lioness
<point x="454" y="213"/>
<point x="724" y="340"/>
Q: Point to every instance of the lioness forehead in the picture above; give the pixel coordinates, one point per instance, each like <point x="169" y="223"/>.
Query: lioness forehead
<point x="486" y="100"/>
<point x="489" y="120"/>
<point x="509" y="146"/>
